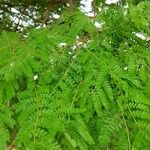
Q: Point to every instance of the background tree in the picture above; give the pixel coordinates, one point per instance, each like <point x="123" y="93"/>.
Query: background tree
<point x="18" y="15"/>
<point x="80" y="83"/>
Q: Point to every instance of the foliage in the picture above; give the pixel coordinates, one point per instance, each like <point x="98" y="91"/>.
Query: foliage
<point x="92" y="93"/>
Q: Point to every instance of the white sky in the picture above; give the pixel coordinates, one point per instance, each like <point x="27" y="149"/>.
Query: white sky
<point x="111" y="1"/>
<point x="86" y="6"/>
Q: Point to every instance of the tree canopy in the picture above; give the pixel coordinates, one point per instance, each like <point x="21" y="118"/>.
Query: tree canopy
<point x="79" y="83"/>
<point x="17" y="15"/>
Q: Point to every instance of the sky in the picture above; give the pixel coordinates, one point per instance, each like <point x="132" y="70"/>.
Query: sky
<point x="86" y="5"/>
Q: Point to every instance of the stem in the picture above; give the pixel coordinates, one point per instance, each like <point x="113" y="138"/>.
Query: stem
<point x="127" y="130"/>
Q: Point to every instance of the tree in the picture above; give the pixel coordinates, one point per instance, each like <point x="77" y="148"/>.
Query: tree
<point x="18" y="15"/>
<point x="74" y="86"/>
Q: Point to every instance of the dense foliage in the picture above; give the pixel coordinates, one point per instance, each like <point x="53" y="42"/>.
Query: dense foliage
<point x="73" y="86"/>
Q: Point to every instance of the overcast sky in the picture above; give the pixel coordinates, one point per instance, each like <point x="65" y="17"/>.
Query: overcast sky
<point x="86" y="6"/>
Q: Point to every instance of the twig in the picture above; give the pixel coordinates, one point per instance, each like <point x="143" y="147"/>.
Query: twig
<point x="10" y="147"/>
<point x="46" y="14"/>
<point x="127" y="130"/>
<point x="76" y="93"/>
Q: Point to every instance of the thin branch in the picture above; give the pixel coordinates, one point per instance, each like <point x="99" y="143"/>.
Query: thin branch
<point x="76" y="92"/>
<point x="127" y="130"/>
